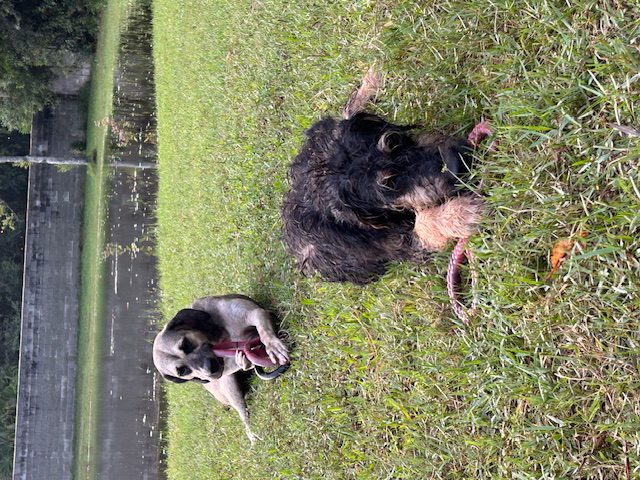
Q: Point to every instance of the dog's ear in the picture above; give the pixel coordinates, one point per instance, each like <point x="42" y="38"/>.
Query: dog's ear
<point x="190" y="319"/>
<point x="389" y="141"/>
<point x="173" y="379"/>
<point x="457" y="155"/>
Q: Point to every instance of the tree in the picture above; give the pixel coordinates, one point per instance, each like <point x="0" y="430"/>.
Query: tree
<point x="23" y="92"/>
<point x="8" y="393"/>
<point x="35" y="36"/>
<point x="13" y="190"/>
<point x="7" y="217"/>
<point x="13" y="143"/>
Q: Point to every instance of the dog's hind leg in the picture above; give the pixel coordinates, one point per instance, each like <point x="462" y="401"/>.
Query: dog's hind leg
<point x="458" y="217"/>
<point x="228" y="392"/>
<point x="371" y="84"/>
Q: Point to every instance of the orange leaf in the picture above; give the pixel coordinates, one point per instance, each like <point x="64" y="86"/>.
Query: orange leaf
<point x="559" y="253"/>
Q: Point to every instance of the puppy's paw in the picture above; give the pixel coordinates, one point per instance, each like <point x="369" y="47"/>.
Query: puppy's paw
<point x="242" y="361"/>
<point x="277" y="351"/>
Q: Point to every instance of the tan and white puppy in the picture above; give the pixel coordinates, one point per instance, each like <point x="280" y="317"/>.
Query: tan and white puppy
<point x="183" y="351"/>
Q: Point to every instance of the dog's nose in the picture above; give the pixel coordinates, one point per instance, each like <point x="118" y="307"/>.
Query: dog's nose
<point x="213" y="365"/>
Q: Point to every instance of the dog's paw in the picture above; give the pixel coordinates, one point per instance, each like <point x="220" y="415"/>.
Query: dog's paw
<point x="253" y="438"/>
<point x="277" y="351"/>
<point x="242" y="361"/>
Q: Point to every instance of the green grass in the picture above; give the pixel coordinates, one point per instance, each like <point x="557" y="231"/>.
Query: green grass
<point x="86" y="446"/>
<point x="544" y="383"/>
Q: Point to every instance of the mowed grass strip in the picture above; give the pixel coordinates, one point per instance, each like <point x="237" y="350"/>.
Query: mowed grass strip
<point x="386" y="383"/>
<point x="86" y="448"/>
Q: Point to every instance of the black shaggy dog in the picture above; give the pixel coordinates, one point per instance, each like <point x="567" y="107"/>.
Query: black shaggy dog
<point x="365" y="192"/>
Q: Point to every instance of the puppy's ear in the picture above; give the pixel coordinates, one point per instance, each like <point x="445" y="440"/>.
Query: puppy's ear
<point x="190" y="319"/>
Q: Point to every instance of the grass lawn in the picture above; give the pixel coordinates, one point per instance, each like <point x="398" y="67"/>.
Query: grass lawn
<point x="544" y="383"/>
<point x="93" y="239"/>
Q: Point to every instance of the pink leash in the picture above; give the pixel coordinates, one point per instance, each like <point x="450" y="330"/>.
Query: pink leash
<point x="459" y="254"/>
<point x="253" y="349"/>
<point x="481" y="131"/>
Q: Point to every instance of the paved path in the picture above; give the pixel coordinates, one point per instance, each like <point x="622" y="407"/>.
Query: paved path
<point x="45" y="416"/>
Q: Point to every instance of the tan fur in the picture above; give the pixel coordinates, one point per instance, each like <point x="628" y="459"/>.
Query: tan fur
<point x="371" y="84"/>
<point x="384" y="144"/>
<point x="426" y="196"/>
<point x="456" y="218"/>
<point x="383" y="177"/>
<point x="238" y="318"/>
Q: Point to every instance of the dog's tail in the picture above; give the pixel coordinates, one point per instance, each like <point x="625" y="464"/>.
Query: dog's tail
<point x="369" y="88"/>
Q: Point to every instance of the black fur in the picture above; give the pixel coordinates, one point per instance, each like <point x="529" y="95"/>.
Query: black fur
<point x="341" y="216"/>
<point x="190" y="319"/>
<point x="173" y="379"/>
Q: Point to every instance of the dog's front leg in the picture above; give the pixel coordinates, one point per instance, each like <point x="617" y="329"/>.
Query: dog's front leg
<point x="242" y="361"/>
<point x="276" y="349"/>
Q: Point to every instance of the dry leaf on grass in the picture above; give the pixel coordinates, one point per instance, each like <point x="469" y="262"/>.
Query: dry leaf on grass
<point x="560" y="252"/>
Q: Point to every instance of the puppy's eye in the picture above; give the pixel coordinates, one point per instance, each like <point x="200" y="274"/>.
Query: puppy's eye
<point x="186" y="346"/>
<point x="183" y="371"/>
